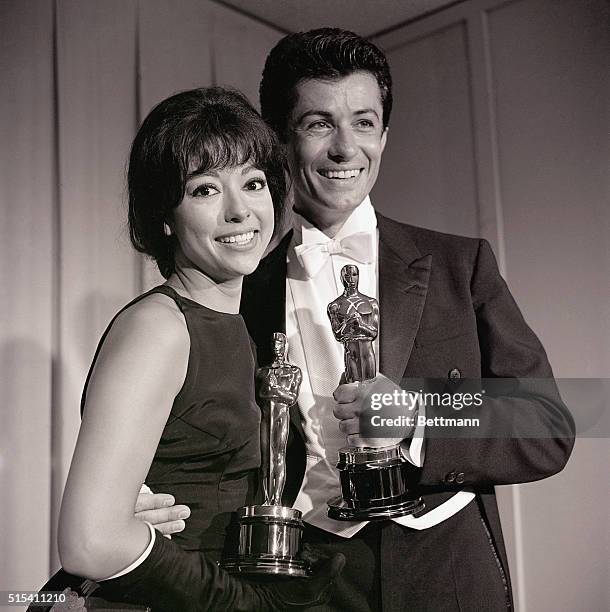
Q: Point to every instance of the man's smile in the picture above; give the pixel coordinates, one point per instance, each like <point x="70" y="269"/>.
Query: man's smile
<point x="340" y="174"/>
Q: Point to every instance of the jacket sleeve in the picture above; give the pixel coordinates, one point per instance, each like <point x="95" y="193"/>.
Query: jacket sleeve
<point x="526" y="432"/>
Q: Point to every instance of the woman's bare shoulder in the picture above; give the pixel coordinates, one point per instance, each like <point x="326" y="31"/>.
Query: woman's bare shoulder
<point x="149" y="336"/>
<point x="156" y="316"/>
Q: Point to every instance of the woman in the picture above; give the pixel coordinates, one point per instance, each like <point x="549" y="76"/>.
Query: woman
<point x="169" y="398"/>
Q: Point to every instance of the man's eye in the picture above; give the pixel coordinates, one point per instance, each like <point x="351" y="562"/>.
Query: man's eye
<point x="318" y="125"/>
<point x="205" y="191"/>
<point x="365" y="124"/>
<point x="256" y="184"/>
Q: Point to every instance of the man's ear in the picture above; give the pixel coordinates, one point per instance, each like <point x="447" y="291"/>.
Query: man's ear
<point x="384" y="137"/>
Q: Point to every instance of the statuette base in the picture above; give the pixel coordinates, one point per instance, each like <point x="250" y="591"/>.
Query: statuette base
<point x="339" y="510"/>
<point x="269" y="543"/>
<point x="270" y="566"/>
<point x="374" y="485"/>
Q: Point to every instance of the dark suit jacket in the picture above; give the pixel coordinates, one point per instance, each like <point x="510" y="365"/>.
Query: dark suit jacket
<point x="445" y="313"/>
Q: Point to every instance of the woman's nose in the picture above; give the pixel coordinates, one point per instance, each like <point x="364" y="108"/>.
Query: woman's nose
<point x="236" y="209"/>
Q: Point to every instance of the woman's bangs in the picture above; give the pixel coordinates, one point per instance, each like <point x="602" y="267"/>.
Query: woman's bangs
<point x="217" y="149"/>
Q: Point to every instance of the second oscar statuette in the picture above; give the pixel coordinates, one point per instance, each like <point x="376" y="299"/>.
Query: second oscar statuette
<point x="270" y="534"/>
<point x="373" y="479"/>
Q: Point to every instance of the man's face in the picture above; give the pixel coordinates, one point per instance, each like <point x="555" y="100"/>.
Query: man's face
<point x="335" y="141"/>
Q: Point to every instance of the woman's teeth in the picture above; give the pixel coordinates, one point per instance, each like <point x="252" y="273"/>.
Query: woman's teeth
<point x="237" y="239"/>
<point x="340" y="174"/>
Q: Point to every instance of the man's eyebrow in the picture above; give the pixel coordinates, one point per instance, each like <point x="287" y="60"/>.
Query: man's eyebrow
<point x="312" y="112"/>
<point x="366" y="111"/>
<point x="328" y="115"/>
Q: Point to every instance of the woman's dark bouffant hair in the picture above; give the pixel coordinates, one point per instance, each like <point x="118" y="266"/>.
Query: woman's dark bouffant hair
<point x="208" y="128"/>
<point x="325" y="53"/>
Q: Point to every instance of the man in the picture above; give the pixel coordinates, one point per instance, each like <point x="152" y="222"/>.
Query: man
<point x="445" y="313"/>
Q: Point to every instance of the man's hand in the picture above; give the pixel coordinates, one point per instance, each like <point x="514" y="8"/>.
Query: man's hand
<point x="375" y="413"/>
<point x="158" y="509"/>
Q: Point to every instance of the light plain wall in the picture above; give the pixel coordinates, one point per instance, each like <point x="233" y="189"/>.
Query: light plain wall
<point x="27" y="337"/>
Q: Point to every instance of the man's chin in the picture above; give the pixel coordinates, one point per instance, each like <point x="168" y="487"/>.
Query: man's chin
<point x="326" y="209"/>
<point x="340" y="206"/>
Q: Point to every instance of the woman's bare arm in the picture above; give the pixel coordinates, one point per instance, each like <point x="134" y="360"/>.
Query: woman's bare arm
<point x="139" y="370"/>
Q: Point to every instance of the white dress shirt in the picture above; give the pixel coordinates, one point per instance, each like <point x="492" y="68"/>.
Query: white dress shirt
<point x="313" y="348"/>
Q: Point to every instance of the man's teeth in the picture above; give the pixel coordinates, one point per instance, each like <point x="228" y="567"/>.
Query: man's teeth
<point x="340" y="174"/>
<point x="238" y="239"/>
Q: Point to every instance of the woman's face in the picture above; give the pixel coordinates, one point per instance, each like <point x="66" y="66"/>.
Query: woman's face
<point x="224" y="222"/>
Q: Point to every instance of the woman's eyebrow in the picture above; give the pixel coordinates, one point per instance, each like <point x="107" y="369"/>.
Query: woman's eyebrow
<point x="201" y="171"/>
<point x="249" y="168"/>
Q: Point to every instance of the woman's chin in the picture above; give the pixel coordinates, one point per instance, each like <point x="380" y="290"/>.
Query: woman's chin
<point x="250" y="268"/>
<point x="241" y="269"/>
<point x="247" y="265"/>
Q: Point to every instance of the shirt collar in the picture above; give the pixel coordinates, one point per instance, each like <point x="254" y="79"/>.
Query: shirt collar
<point x="362" y="219"/>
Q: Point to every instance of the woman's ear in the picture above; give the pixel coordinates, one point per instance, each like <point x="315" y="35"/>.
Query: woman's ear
<point x="167" y="230"/>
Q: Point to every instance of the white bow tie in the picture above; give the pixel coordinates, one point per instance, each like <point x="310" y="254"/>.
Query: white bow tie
<point x="359" y="247"/>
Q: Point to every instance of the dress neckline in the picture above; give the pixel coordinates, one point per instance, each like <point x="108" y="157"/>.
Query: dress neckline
<point x="179" y="297"/>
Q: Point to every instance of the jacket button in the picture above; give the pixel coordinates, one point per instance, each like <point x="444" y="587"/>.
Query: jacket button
<point x="454" y="374"/>
<point x="460" y="478"/>
<point x="450" y="477"/>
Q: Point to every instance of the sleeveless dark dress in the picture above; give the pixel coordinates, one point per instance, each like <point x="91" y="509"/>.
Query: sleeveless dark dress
<point x="209" y="452"/>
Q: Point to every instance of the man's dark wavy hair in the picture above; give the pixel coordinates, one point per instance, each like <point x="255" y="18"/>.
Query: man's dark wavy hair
<point x="210" y="128"/>
<point x="326" y="53"/>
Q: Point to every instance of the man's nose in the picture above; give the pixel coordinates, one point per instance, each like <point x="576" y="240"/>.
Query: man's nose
<point x="236" y="208"/>
<point x="343" y="146"/>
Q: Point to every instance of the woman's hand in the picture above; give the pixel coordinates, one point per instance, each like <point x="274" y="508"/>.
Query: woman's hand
<point x="73" y="602"/>
<point x="171" y="579"/>
<point x="298" y="594"/>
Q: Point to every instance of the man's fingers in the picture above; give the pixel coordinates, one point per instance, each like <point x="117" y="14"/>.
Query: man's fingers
<point x="163" y="515"/>
<point x="349" y="427"/>
<point x="148" y="501"/>
<point x="168" y="528"/>
<point x="347" y="393"/>
<point x="346" y="411"/>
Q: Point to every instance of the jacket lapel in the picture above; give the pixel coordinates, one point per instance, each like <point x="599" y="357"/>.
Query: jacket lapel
<point x="403" y="285"/>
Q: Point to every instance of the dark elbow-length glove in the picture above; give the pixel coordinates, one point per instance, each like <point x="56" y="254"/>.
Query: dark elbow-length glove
<point x="170" y="579"/>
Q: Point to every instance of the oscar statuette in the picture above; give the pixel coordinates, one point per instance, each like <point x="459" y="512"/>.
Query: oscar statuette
<point x="270" y="534"/>
<point x="373" y="480"/>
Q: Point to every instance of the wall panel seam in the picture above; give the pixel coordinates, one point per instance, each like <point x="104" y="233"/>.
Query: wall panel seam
<point x="55" y="408"/>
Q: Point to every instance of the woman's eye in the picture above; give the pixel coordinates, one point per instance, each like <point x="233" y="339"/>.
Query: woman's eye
<point x="256" y="184"/>
<point x="205" y="191"/>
